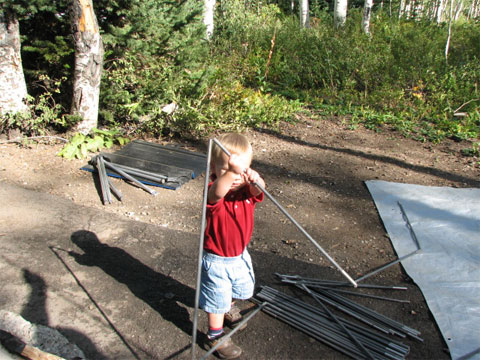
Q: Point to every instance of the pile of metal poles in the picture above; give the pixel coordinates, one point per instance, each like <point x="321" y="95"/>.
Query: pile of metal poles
<point x="348" y="337"/>
<point x="128" y="173"/>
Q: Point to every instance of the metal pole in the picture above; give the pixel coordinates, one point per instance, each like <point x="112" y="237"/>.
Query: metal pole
<point x="365" y="295"/>
<point x="349" y="333"/>
<point x="386" y="266"/>
<point x="129" y="169"/>
<point x="318" y="324"/>
<point x="409" y="225"/>
<point x="117" y="192"/>
<point x="225" y="337"/>
<point x="304" y="232"/>
<point x="102" y="175"/>
<point x="312" y="282"/>
<point x="131" y="178"/>
<point x="200" y="249"/>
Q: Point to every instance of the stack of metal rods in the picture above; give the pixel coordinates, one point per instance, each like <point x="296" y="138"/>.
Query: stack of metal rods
<point x="140" y="173"/>
<point x="105" y="184"/>
<point x="126" y="172"/>
<point x="358" y="342"/>
<point x="327" y="295"/>
<point x="366" y="315"/>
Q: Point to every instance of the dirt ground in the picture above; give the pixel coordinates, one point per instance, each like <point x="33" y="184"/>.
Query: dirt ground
<point x="316" y="170"/>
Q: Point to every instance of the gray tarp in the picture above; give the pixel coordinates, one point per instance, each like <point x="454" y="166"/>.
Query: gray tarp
<point x="446" y="222"/>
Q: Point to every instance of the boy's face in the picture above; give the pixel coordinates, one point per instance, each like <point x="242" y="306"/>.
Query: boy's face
<point x="242" y="161"/>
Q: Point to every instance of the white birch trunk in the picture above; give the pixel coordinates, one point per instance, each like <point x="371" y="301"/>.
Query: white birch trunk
<point x="304" y="14"/>
<point x="340" y="13"/>
<point x="447" y="45"/>
<point x="419" y="11"/>
<point x="431" y="10"/>
<point x="13" y="90"/>
<point x="367" y="12"/>
<point x="208" y="14"/>
<point x="458" y="10"/>
<point x="401" y="8"/>
<point x="440" y="10"/>
<point x="472" y="10"/>
<point x="88" y="65"/>
<point x="407" y="9"/>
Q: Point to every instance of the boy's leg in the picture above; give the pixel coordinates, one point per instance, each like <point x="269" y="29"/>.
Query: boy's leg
<point x="215" y="299"/>
<point x="215" y="325"/>
<point x="228" y="350"/>
<point x="243" y="284"/>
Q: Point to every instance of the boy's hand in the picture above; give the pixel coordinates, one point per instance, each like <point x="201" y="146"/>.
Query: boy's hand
<point x="237" y="163"/>
<point x="251" y="176"/>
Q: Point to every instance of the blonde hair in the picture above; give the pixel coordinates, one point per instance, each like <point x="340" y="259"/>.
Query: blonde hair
<point x="233" y="142"/>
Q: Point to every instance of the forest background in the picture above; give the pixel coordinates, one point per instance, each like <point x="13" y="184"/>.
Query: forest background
<point x="415" y="70"/>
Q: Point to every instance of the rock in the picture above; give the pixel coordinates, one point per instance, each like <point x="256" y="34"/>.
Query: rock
<point x="39" y="336"/>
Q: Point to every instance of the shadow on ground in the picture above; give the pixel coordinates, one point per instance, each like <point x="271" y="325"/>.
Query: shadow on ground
<point x="152" y="287"/>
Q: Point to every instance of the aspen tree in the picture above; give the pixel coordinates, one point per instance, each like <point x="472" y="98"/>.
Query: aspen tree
<point x="340" y="13"/>
<point x="304" y="14"/>
<point x="367" y="12"/>
<point x="88" y="65"/>
<point x="13" y="90"/>
<point x="208" y="14"/>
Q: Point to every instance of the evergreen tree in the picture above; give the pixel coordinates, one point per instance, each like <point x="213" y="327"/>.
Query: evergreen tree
<point x="154" y="56"/>
<point x="47" y="46"/>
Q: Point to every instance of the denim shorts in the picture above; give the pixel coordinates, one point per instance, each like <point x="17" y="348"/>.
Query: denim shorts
<point x="224" y="279"/>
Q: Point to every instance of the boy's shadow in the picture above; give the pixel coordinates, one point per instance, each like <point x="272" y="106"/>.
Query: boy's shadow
<point x="159" y="291"/>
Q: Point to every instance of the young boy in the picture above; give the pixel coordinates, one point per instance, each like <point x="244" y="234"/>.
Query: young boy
<point x="227" y="272"/>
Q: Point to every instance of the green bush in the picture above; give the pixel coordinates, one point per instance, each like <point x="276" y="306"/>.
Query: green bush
<point x="42" y="115"/>
<point x="231" y="108"/>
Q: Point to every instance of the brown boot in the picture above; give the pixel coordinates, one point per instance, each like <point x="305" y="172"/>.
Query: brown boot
<point x="233" y="317"/>
<point x="228" y="350"/>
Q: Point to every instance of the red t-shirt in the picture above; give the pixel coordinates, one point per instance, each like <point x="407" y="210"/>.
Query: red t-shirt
<point x="230" y="223"/>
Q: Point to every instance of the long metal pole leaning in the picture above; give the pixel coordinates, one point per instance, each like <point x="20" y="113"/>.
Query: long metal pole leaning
<point x="200" y="249"/>
<point x="304" y="232"/>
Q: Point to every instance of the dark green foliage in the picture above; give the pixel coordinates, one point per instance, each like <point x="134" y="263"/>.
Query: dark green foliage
<point x="154" y="56"/>
<point x="47" y="48"/>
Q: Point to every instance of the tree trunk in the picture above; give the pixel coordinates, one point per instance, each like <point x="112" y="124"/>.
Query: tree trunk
<point x="208" y="17"/>
<point x="367" y="12"/>
<point x="13" y="90"/>
<point x="449" y="37"/>
<point x="440" y="10"/>
<point x="473" y="10"/>
<point x="340" y="13"/>
<point x="304" y="14"/>
<point x="458" y="10"/>
<point x="401" y="8"/>
<point x="88" y="65"/>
